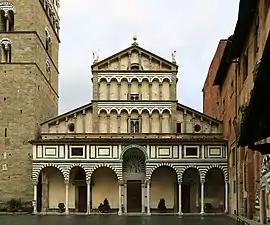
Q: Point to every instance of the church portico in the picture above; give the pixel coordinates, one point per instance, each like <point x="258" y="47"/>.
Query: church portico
<point x="133" y="183"/>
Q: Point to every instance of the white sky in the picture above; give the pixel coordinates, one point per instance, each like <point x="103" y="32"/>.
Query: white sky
<point x="193" y="28"/>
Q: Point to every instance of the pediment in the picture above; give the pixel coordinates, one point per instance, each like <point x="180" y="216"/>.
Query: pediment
<point x="65" y="116"/>
<point x="194" y="118"/>
<point x="134" y="58"/>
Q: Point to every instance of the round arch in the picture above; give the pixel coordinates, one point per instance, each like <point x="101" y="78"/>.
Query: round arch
<point x="133" y="146"/>
<point x="181" y="174"/>
<point x="149" y="175"/>
<point x="7" y="6"/>
<point x="87" y="172"/>
<point x="118" y="174"/>
<point x="113" y="110"/>
<point x="100" y="79"/>
<point x="216" y="166"/>
<point x="36" y="173"/>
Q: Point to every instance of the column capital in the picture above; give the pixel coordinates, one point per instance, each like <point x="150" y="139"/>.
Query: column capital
<point x="120" y="182"/>
<point x="35" y="182"/>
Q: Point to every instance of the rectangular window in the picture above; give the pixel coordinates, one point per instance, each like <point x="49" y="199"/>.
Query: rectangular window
<point x="5" y="132"/>
<point x="77" y="151"/>
<point x="234" y="186"/>
<point x="134" y="97"/>
<point x="134" y="126"/>
<point x="178" y="127"/>
<point x="245" y="66"/>
<point x="191" y="151"/>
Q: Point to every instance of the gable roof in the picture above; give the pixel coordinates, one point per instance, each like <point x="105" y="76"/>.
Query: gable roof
<point x="134" y="46"/>
<point x="199" y="113"/>
<point x="69" y="113"/>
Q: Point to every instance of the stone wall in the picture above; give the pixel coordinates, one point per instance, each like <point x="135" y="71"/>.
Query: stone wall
<point x="29" y="95"/>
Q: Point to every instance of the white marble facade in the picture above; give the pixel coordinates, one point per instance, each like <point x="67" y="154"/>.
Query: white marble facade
<point x="133" y="144"/>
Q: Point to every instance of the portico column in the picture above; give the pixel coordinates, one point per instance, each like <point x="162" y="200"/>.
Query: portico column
<point x="226" y="196"/>
<point x="88" y="196"/>
<point x="120" y="199"/>
<point x="67" y="183"/>
<point x="148" y="198"/>
<point x="143" y="197"/>
<point x="202" y="197"/>
<point x="35" y="199"/>
<point x="125" y="198"/>
<point x="180" y="198"/>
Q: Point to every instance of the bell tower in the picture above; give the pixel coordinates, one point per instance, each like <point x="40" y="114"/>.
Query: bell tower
<point x="29" y="44"/>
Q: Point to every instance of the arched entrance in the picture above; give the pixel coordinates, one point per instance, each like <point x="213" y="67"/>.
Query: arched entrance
<point x="78" y="190"/>
<point x="164" y="185"/>
<point x="104" y="184"/>
<point x="134" y="179"/>
<point x="50" y="189"/>
<point x="214" y="193"/>
<point x="191" y="191"/>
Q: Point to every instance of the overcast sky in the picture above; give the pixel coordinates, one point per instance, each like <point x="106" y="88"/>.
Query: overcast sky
<point x="193" y="28"/>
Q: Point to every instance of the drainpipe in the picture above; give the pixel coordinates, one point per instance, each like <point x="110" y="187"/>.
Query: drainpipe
<point x="237" y="68"/>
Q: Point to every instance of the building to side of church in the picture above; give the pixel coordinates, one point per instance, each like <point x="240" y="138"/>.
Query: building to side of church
<point x="133" y="145"/>
<point x="29" y="43"/>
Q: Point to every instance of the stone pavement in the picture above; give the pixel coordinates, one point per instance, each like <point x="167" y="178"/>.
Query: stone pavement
<point x="115" y="220"/>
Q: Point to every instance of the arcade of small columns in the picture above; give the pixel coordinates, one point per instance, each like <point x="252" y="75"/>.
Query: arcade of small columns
<point x="155" y="89"/>
<point x="150" y="122"/>
<point x="202" y="189"/>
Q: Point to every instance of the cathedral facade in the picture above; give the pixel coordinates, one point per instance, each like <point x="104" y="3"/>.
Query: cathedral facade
<point x="133" y="145"/>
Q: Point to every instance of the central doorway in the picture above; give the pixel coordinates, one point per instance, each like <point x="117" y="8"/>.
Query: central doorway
<point x="134" y="193"/>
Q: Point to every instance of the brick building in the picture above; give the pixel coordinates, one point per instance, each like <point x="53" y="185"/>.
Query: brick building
<point x="231" y="79"/>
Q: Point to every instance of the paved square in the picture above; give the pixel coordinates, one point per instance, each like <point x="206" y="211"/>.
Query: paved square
<point x="115" y="220"/>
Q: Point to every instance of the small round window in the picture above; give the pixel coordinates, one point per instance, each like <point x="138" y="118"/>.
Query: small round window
<point x="197" y="128"/>
<point x="71" y="127"/>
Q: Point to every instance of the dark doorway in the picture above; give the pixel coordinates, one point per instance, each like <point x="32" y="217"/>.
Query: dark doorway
<point x="39" y="194"/>
<point x="134" y="196"/>
<point x="82" y="199"/>
<point x="186" y="199"/>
